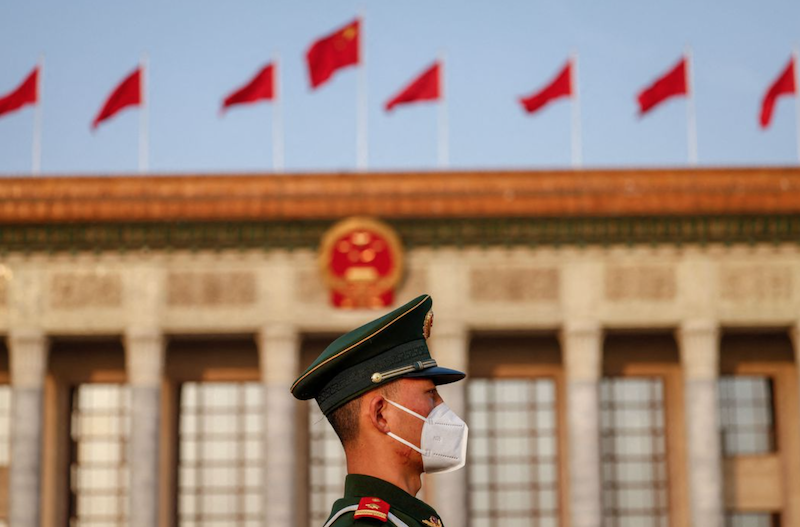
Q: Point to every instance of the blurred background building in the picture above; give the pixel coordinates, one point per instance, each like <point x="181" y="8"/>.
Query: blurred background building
<point x="630" y="338"/>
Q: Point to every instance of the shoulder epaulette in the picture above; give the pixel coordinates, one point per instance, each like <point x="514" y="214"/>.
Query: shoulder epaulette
<point x="374" y="508"/>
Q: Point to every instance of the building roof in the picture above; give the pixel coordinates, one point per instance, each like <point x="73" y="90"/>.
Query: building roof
<point x="402" y="195"/>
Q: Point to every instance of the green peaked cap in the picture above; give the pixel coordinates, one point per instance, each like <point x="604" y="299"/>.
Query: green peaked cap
<point x="388" y="348"/>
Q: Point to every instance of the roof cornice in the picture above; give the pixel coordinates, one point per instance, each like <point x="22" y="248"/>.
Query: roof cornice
<point x="401" y="195"/>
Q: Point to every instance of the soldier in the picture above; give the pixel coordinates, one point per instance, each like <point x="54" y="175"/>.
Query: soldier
<point x="377" y="387"/>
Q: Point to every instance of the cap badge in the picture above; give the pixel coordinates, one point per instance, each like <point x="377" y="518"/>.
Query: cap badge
<point x="427" y="325"/>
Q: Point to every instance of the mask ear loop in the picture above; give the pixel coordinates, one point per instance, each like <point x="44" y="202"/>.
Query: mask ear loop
<point x="412" y="412"/>
<point x="398" y="438"/>
<point x="406" y="443"/>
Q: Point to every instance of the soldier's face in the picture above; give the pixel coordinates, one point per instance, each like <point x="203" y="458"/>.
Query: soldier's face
<point x="421" y="396"/>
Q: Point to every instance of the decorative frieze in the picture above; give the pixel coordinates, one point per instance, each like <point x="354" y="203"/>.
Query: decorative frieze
<point x="755" y="283"/>
<point x="85" y="290"/>
<point x="211" y="288"/>
<point x="648" y="283"/>
<point x="415" y="232"/>
<point x="309" y="288"/>
<point x="515" y="285"/>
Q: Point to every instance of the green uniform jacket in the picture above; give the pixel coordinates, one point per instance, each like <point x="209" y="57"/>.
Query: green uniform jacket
<point x="404" y="509"/>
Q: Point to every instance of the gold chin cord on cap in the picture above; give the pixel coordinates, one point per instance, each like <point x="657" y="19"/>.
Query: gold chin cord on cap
<point x="390" y="374"/>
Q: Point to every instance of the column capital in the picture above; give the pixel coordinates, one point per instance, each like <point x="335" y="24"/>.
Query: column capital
<point x="279" y="351"/>
<point x="699" y="327"/>
<point x="278" y="331"/>
<point x="28" y="357"/>
<point x="145" y="348"/>
<point x="582" y="349"/>
<point x="582" y="328"/>
<point x="698" y="341"/>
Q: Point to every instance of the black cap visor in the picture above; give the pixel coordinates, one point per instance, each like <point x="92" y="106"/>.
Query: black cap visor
<point x="438" y="375"/>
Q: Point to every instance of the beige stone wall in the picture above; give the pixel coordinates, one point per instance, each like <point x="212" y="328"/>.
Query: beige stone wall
<point x="279" y="296"/>
<point x="481" y="288"/>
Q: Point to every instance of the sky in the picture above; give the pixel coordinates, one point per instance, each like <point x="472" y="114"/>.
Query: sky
<point x="495" y="51"/>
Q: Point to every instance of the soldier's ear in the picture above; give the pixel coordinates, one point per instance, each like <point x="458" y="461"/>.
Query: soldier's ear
<point x="377" y="408"/>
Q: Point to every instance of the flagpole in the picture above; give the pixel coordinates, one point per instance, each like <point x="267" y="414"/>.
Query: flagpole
<point x="362" y="108"/>
<point x="277" y="118"/>
<point x="143" y="115"/>
<point x="577" y="145"/>
<point x="444" y="131"/>
<point x="36" y="147"/>
<point x="795" y="55"/>
<point x="691" y="118"/>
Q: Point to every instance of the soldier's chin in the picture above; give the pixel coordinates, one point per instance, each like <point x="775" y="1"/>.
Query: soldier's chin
<point x="413" y="460"/>
<point x="418" y="462"/>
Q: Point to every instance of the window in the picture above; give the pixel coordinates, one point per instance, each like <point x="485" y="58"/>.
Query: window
<point x="752" y="519"/>
<point x="513" y="459"/>
<point x="746" y="415"/>
<point x="747" y="425"/>
<point x="633" y="452"/>
<point x="220" y="455"/>
<point x="327" y="466"/>
<point x="98" y="467"/>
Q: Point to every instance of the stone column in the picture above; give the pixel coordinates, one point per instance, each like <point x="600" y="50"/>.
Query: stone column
<point x="449" y="345"/>
<point x="144" y="355"/>
<point x="28" y="357"/>
<point x="279" y="350"/>
<point x="699" y="348"/>
<point x="582" y="351"/>
<point x="794" y="333"/>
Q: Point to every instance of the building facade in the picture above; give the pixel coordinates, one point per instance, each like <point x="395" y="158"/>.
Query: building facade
<point x="631" y="341"/>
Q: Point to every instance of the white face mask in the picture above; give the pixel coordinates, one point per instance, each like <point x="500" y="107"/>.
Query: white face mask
<point x="443" y="443"/>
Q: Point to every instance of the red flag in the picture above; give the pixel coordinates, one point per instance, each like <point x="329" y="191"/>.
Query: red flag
<point x="260" y="88"/>
<point x="561" y="86"/>
<point x="128" y="93"/>
<point x="671" y="84"/>
<point x="426" y="87"/>
<point x="332" y="52"/>
<point x="25" y="93"/>
<point x="783" y="85"/>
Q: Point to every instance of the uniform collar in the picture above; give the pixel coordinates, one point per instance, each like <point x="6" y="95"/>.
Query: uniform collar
<point x="360" y="486"/>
